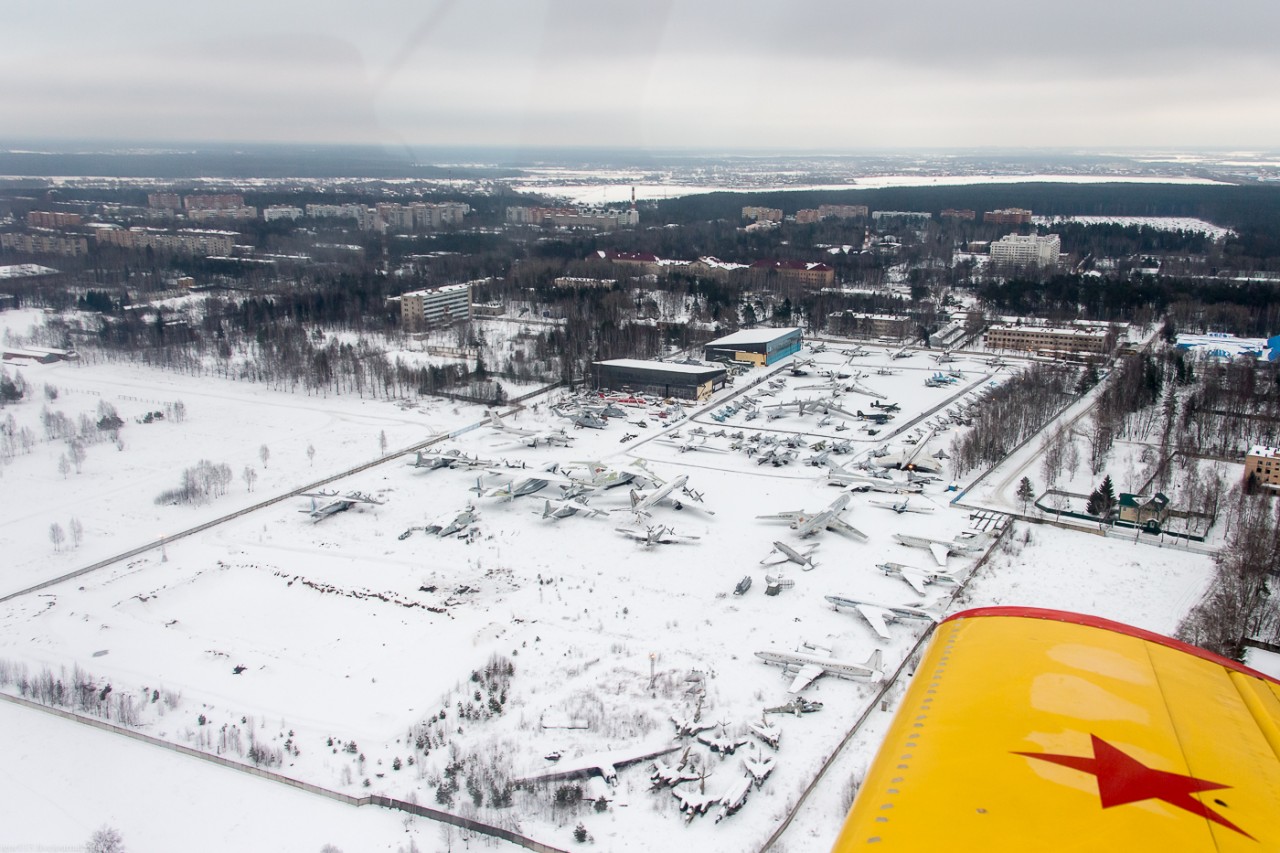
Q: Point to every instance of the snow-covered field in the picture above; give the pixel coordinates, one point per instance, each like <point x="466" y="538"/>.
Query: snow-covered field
<point x="338" y="644"/>
<point x="1160" y="223"/>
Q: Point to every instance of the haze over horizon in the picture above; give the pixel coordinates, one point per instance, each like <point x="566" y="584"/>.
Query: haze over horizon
<point x="706" y="76"/>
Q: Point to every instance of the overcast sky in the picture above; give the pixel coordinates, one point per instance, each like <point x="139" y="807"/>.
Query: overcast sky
<point x="826" y="74"/>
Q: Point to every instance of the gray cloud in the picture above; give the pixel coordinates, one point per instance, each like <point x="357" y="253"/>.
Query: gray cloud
<point x="672" y="73"/>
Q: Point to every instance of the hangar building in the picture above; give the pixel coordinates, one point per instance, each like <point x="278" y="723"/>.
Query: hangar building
<point x="758" y="346"/>
<point x="663" y="378"/>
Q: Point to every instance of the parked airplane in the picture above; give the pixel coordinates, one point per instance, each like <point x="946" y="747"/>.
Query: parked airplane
<point x="766" y="731"/>
<point x="905" y="352"/>
<point x="806" y="523"/>
<point x="759" y="767"/>
<point x="659" y="535"/>
<point x="722" y="743"/>
<point x="604" y="764"/>
<point x="533" y="438"/>
<point x="888" y="407"/>
<point x="965" y="543"/>
<point x="879" y="615"/>
<point x="901" y="506"/>
<point x="875" y="417"/>
<point x="864" y="483"/>
<point x="668" y="775"/>
<point x="643" y="500"/>
<point x="917" y="578"/>
<point x="808" y="667"/>
<point x="432" y="460"/>
<point x="335" y="503"/>
<point x="797" y="706"/>
<point x="914" y="458"/>
<point x="455" y="523"/>
<point x="784" y="553"/>
<point x="568" y="507"/>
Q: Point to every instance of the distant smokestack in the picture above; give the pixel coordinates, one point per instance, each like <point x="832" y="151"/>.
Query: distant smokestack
<point x="633" y="198"/>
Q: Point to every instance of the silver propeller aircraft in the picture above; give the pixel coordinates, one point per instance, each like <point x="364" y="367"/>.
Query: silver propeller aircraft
<point x="806" y="523"/>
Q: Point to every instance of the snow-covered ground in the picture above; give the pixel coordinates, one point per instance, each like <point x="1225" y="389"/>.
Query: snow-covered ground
<point x="1161" y="223"/>
<point x="315" y="638"/>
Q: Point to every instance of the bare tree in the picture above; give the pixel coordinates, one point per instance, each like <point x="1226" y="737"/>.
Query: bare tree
<point x="64" y="466"/>
<point x="76" y="453"/>
<point x="77" y="532"/>
<point x="264" y="453"/>
<point x="105" y="840"/>
<point x="56" y="536"/>
<point x="250" y="476"/>
<point x="311" y="454"/>
<point x="382" y="443"/>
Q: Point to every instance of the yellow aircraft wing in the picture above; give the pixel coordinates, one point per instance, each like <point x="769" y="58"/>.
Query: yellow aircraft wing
<point x="1028" y="729"/>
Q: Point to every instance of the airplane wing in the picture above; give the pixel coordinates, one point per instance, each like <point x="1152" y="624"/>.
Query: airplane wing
<point x="790" y="515"/>
<point x="773" y="558"/>
<point x="805" y="677"/>
<point x="1072" y="732"/>
<point x="840" y="526"/>
<point x="876" y="616"/>
<point x="916" y="578"/>
<point x="940" y="553"/>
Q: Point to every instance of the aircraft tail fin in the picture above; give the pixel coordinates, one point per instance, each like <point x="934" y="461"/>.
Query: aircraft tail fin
<point x="494" y="420"/>
<point x="875" y="661"/>
<point x="546" y="509"/>
<point x="636" y="497"/>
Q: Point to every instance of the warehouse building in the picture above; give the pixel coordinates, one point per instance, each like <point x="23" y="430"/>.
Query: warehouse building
<point x="756" y="346"/>
<point x="661" y="378"/>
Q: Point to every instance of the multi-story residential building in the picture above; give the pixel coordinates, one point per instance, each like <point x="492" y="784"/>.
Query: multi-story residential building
<point x="1026" y="250"/>
<point x="952" y="213"/>
<point x="1263" y="464"/>
<point x="164" y="201"/>
<point x="565" y="282"/>
<point x="902" y="214"/>
<point x="45" y="243"/>
<point x="213" y="201"/>
<point x="436" y="306"/>
<point x="187" y="242"/>
<point x="335" y="211"/>
<point x="278" y="211"/>
<point x="859" y="325"/>
<point x="805" y="273"/>
<point x="219" y="214"/>
<point x="1007" y="216"/>
<point x="52" y="219"/>
<point x="714" y="268"/>
<point x="1050" y="341"/>
<point x="842" y="211"/>
<point x="765" y="214"/>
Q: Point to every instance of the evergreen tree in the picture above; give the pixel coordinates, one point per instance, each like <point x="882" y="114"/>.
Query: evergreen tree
<point x="1025" y="492"/>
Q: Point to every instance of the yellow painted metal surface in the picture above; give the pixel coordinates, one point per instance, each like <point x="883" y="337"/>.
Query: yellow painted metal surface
<point x="1028" y="732"/>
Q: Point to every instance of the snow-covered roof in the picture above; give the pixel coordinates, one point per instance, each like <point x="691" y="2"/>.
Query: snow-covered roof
<point x="670" y="366"/>
<point x="1264" y="451"/>
<point x="751" y="336"/>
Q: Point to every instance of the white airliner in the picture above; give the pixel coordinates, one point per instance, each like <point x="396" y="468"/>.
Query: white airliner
<point x="880" y="615"/>
<point x="917" y="578"/>
<point x="808" y="667"/>
<point x="965" y="543"/>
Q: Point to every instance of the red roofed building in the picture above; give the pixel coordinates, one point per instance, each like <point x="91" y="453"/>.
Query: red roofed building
<point x="805" y="273"/>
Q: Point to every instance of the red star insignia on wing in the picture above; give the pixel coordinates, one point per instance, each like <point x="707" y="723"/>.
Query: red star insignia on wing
<point x="1123" y="779"/>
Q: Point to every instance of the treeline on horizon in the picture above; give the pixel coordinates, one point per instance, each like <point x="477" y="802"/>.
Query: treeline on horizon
<point x="1240" y="207"/>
